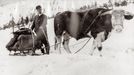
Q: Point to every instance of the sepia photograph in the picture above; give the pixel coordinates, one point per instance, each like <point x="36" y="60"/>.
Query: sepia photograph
<point x="66" y="37"/>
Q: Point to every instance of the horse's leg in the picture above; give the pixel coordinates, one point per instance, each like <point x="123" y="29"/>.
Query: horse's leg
<point x="98" y="41"/>
<point x="66" y="42"/>
<point x="56" y="45"/>
<point x="94" y="45"/>
<point x="59" y="40"/>
<point x="99" y="46"/>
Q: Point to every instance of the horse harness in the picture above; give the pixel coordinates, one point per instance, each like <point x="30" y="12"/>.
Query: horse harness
<point x="93" y="21"/>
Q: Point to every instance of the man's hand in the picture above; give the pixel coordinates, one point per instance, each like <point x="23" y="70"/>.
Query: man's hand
<point x="33" y="32"/>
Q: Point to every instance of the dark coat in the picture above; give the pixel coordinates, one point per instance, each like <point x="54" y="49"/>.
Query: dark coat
<point x="39" y="26"/>
<point x="38" y="21"/>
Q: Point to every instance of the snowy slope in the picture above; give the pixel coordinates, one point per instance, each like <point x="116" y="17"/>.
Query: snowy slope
<point x="115" y="60"/>
<point x="118" y="54"/>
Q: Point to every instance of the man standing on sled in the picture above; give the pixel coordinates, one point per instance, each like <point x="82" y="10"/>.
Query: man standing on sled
<point x="41" y="19"/>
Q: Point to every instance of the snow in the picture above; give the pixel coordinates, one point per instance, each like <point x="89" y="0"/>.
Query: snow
<point x="67" y="65"/>
<point x="118" y="54"/>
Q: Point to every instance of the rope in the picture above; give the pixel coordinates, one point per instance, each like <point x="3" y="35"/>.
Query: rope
<point x="82" y="46"/>
<point x="78" y="43"/>
<point x="70" y="45"/>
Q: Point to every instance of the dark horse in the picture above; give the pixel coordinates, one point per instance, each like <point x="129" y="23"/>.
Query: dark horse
<point x="96" y="23"/>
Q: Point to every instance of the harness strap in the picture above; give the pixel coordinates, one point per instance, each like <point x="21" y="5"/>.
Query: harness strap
<point x="99" y="13"/>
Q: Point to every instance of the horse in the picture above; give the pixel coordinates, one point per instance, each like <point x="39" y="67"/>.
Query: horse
<point x="94" y="23"/>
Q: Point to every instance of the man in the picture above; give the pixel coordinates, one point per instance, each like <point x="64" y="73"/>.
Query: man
<point x="41" y="20"/>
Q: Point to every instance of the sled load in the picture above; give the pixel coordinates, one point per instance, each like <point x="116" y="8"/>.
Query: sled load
<point x="24" y="41"/>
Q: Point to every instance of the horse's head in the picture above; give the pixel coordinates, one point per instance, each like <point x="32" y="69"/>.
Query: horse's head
<point x="118" y="17"/>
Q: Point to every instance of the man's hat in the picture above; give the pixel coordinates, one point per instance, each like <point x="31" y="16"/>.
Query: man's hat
<point x="38" y="7"/>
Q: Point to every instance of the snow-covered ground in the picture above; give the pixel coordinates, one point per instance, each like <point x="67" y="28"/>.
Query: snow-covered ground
<point x="118" y="55"/>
